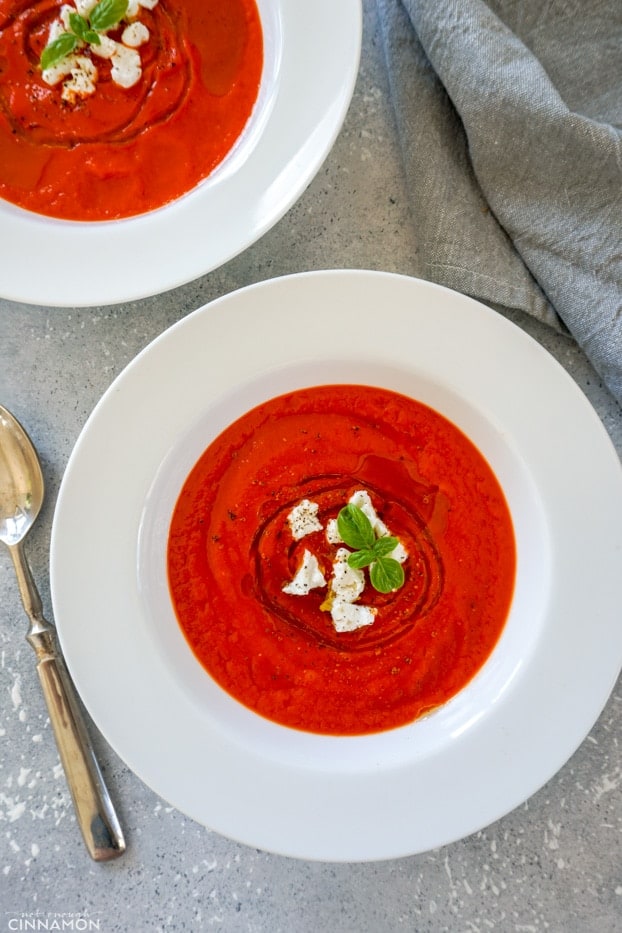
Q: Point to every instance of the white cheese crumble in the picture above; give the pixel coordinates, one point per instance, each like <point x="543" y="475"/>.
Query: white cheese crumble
<point x="106" y="48"/>
<point x="78" y="68"/>
<point x="134" y="35"/>
<point x="399" y="553"/>
<point x="346" y="583"/>
<point x="347" y="617"/>
<point x="332" y="532"/>
<point x="82" y="78"/>
<point x="133" y="7"/>
<point x="362" y="500"/>
<point x="126" y="67"/>
<point x="303" y="519"/>
<point x="84" y="7"/>
<point x="59" y="71"/>
<point x="307" y="577"/>
<point x="62" y="24"/>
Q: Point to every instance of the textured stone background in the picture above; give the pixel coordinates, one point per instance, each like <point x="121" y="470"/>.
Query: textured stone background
<point x="554" y="864"/>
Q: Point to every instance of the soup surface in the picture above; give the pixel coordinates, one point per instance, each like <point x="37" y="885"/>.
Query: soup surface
<point x="234" y="560"/>
<point x="122" y="151"/>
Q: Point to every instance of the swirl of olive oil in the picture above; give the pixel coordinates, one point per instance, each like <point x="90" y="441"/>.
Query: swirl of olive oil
<point x="406" y="507"/>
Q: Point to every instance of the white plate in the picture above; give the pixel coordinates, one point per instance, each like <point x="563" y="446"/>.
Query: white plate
<point x="311" y="53"/>
<point x="319" y="797"/>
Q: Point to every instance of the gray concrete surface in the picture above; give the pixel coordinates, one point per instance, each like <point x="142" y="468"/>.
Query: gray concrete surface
<point x="554" y="864"/>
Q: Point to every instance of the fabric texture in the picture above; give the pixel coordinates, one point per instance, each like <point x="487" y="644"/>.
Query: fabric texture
<point x="510" y="120"/>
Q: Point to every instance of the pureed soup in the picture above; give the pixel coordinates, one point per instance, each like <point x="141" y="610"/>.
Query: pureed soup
<point x="341" y="560"/>
<point x="135" y="114"/>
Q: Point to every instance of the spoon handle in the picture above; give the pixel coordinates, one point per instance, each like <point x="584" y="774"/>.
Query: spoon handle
<point x="94" y="810"/>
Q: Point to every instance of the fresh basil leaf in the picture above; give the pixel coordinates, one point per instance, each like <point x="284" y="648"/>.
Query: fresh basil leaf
<point x="92" y="37"/>
<point x="78" y="25"/>
<point x="55" y="51"/>
<point x="386" y="575"/>
<point x="107" y="13"/>
<point x="360" y="559"/>
<point x="383" y="546"/>
<point x="355" y="528"/>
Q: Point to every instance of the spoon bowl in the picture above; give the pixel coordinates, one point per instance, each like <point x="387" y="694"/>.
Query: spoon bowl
<point x="21" y="497"/>
<point x="21" y="481"/>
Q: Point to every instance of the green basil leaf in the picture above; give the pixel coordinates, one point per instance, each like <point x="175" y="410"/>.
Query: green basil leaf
<point x="386" y="575"/>
<point x="385" y="545"/>
<point x="55" y="51"/>
<point x="79" y="26"/>
<point x="360" y="559"/>
<point x="355" y="528"/>
<point x="107" y="13"/>
<point x="92" y="37"/>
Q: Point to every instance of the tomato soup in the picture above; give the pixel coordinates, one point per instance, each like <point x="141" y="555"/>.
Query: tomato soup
<point x="122" y="151"/>
<point x="232" y="554"/>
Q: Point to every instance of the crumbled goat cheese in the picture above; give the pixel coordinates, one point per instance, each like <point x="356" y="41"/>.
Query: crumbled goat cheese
<point x="106" y="48"/>
<point x="303" y="519"/>
<point x="133" y="7"/>
<point x="62" y="24"/>
<point x="126" y="66"/>
<point x="347" y="582"/>
<point x="362" y="500"/>
<point x="399" y="553"/>
<point x="126" y="63"/>
<point x="82" y="81"/>
<point x="308" y="576"/>
<point x="84" y="7"/>
<point x="332" y="532"/>
<point x="59" y="71"/>
<point x="134" y="35"/>
<point x="347" y="617"/>
<point x="346" y="585"/>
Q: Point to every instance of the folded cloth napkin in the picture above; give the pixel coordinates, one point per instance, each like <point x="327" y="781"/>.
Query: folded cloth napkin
<point x="510" y="119"/>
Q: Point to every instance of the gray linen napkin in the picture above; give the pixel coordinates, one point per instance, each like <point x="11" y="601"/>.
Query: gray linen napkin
<point x="510" y="119"/>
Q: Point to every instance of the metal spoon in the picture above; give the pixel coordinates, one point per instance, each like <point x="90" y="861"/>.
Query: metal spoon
<point x="21" y="497"/>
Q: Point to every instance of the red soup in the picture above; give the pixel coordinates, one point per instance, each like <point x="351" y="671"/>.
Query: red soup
<point x="193" y="70"/>
<point x="261" y="578"/>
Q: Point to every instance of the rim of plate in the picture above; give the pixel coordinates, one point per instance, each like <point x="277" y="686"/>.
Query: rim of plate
<point x="298" y="115"/>
<point x="296" y="793"/>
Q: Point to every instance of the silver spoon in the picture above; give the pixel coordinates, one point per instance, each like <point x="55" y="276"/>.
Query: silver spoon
<point x="21" y="497"/>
